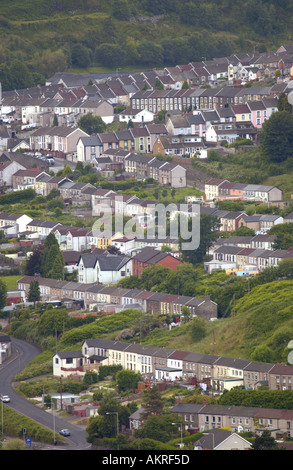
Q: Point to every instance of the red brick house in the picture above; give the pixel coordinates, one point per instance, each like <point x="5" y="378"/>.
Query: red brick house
<point x="149" y="256"/>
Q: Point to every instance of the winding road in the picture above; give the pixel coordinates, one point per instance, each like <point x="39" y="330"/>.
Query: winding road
<point x="23" y="353"/>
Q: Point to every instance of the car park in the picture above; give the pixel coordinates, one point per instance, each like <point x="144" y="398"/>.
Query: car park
<point x="5" y="398"/>
<point x="64" y="432"/>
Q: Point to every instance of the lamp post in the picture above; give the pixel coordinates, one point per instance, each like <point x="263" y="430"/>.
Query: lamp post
<point x="53" y="420"/>
<point x="117" y="429"/>
<point x="2" y="418"/>
<point x="181" y="430"/>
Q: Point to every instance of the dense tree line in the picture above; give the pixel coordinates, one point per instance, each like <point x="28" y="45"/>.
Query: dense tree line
<point x="26" y="61"/>
<point x="279" y="399"/>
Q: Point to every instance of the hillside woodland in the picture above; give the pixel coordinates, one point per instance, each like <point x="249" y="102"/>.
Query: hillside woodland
<point x="41" y="38"/>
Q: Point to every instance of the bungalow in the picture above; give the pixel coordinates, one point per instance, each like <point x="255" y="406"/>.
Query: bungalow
<point x="136" y="115"/>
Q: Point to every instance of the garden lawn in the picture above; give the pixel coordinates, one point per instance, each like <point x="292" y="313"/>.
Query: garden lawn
<point x="11" y="281"/>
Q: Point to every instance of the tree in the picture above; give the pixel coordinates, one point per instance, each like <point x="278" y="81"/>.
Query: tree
<point x="284" y="236"/>
<point x="3" y="294"/>
<point x="91" y="124"/>
<point x="265" y="442"/>
<point x="198" y="329"/>
<point x="34" y="262"/>
<point x="121" y="10"/>
<point x="208" y="233"/>
<point x="21" y="76"/>
<point x="159" y="85"/>
<point x="127" y="380"/>
<point x="152" y="402"/>
<point x="34" y="293"/>
<point x="186" y="314"/>
<point x="159" y="428"/>
<point x="150" y="53"/>
<point x="283" y="104"/>
<point x="80" y="56"/>
<point x="110" y="55"/>
<point x="55" y="120"/>
<point x="53" y="321"/>
<point x="277" y="137"/>
<point x="53" y="263"/>
<point x="243" y="232"/>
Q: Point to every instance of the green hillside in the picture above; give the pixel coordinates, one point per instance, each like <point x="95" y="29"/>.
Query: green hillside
<point x="48" y="36"/>
<point x="259" y="329"/>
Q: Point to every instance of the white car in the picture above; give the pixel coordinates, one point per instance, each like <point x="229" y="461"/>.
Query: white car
<point x="64" y="432"/>
<point x="5" y="398"/>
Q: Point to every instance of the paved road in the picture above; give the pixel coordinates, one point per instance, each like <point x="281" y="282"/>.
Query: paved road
<point x="22" y="354"/>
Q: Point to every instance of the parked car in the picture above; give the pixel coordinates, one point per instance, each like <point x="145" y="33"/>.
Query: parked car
<point x="50" y="160"/>
<point x="5" y="398"/>
<point x="64" y="432"/>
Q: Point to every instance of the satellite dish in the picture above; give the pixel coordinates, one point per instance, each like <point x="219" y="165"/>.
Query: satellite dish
<point x="290" y="97"/>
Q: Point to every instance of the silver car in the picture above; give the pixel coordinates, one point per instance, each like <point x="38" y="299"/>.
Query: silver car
<point x="5" y="398"/>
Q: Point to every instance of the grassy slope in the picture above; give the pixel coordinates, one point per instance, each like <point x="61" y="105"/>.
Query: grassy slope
<point x="262" y="318"/>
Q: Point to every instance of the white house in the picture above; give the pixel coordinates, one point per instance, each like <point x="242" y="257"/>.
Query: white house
<point x="167" y="373"/>
<point x="7" y="170"/>
<point x="41" y="227"/>
<point x="68" y="363"/>
<point x="178" y="126"/>
<point x="124" y="244"/>
<point x="19" y="221"/>
<point x="105" y="269"/>
<point x="136" y="115"/>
